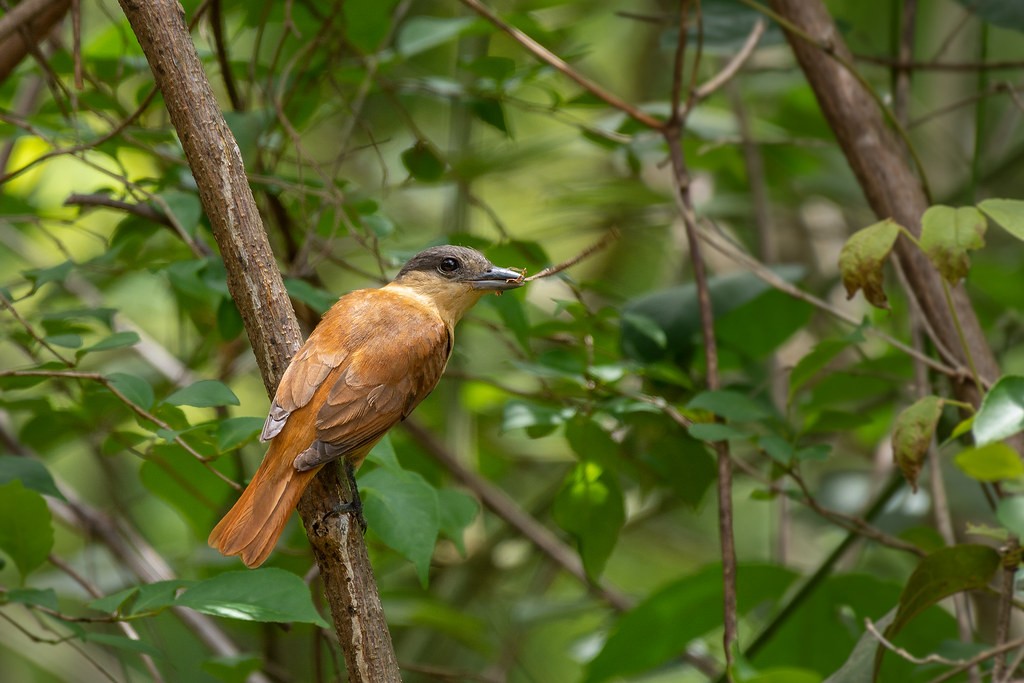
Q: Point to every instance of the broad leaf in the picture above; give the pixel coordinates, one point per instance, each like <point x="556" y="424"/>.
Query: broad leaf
<point x="1001" y="414"/>
<point x="939" y="575"/>
<point x="264" y="594"/>
<point x="423" y="162"/>
<point x="207" y="393"/>
<point x="31" y="473"/>
<point x="947" y="234"/>
<point x="133" y="388"/>
<point x="26" y="528"/>
<point x="402" y="508"/>
<point x="1007" y="213"/>
<point x="730" y="405"/>
<point x="991" y="462"/>
<point x="863" y="257"/>
<point x="591" y="508"/>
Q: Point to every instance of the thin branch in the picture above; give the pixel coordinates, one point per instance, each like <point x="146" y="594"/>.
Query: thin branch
<point x="138" y="410"/>
<point x="903" y="654"/>
<point x="605" y="240"/>
<point x="1007" y="588"/>
<point x="556" y="62"/>
<point x="6" y="303"/>
<point x="101" y="200"/>
<point x="735" y="63"/>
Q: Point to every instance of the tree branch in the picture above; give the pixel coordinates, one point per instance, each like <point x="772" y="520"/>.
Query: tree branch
<point x="255" y="284"/>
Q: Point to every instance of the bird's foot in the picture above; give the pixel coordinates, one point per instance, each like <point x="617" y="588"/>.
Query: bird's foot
<point x="354" y="507"/>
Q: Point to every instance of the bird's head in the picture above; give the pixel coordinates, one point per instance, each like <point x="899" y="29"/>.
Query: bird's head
<point x="454" y="278"/>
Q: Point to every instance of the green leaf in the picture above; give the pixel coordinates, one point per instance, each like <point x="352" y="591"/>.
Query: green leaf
<point x="998" y="12"/>
<point x="206" y="393"/>
<point x="314" y="297"/>
<point x="43" y="597"/>
<point x="777" y="448"/>
<point x="779" y="316"/>
<point x="858" y="666"/>
<point x="675" y="311"/>
<point x="490" y="111"/>
<point x="863" y="257"/>
<point x="402" y="508"/>
<point x="527" y="415"/>
<point x="181" y="481"/>
<point x="236" y="431"/>
<point x="41" y="276"/>
<point x="185" y="207"/>
<point x="591" y="508"/>
<point x="26" y="528"/>
<point x="947" y="234"/>
<point x="31" y="473"/>
<point x="135" y="389"/>
<point x="367" y="23"/>
<point x="1007" y="213"/>
<point x="422" y="33"/>
<point x="233" y="668"/>
<point x="1010" y="513"/>
<point x="913" y="434"/>
<point x="423" y="162"/>
<point x="1001" y="414"/>
<point x="384" y="455"/>
<point x="714" y="431"/>
<point x="267" y="594"/>
<point x="939" y="575"/>
<point x="991" y="462"/>
<point x="820" y="356"/>
<point x="457" y="511"/>
<point x="730" y="405"/>
<point x="118" y="340"/>
<point x="652" y="633"/>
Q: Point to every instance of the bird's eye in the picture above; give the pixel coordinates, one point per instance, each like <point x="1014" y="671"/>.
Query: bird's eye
<point x="448" y="265"/>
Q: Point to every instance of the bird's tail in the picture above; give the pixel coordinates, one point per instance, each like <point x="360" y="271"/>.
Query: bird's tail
<point x="251" y="528"/>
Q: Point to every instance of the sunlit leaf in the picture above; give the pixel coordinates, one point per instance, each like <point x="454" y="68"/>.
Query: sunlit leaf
<point x="1007" y="213"/>
<point x="264" y="594"/>
<point x="1001" y="414"/>
<point x="991" y="462"/>
<point x="590" y="506"/>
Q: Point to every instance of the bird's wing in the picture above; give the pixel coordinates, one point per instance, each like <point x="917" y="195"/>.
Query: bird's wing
<point x="382" y="354"/>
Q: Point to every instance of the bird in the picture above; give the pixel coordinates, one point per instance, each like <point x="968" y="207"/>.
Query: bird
<point x="372" y="358"/>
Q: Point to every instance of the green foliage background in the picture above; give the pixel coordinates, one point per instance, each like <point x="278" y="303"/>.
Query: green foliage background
<point x="372" y="129"/>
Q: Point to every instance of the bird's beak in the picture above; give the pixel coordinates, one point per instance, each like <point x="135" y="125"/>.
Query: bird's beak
<point x="497" y="279"/>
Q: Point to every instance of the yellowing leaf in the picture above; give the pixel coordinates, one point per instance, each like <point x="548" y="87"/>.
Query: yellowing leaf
<point x="912" y="436"/>
<point x="947" y="234"/>
<point x="862" y="258"/>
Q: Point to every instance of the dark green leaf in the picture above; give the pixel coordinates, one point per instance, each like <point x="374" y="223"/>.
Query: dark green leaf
<point x="118" y="340"/>
<point x="809" y="366"/>
<point x="778" y="316"/>
<point x="31" y="473"/>
<point x="714" y="431"/>
<point x="491" y="112"/>
<point x="229" y="320"/>
<point x="135" y="389"/>
<point x="43" y="597"/>
<point x="185" y="207"/>
<point x="26" y="528"/>
<point x="1004" y="13"/>
<point x="207" y="393"/>
<point x="423" y="162"/>
<point x="314" y="297"/>
<point x="939" y="575"/>
<point x="265" y="594"/>
<point x="730" y="405"/>
<point x="367" y="22"/>
<point x="652" y="633"/>
<point x="591" y="508"/>
<point x="233" y="668"/>
<point x="862" y="259"/>
<point x="991" y="462"/>
<point x="178" y="479"/>
<point x="384" y="454"/>
<point x="947" y="234"/>
<point x="402" y="508"/>
<point x="913" y="434"/>
<point x="457" y="511"/>
<point x="236" y="431"/>
<point x="41" y="276"/>
<point x="1001" y="414"/>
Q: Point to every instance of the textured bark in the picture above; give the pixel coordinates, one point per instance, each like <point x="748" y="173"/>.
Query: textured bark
<point x="255" y="283"/>
<point x="879" y="159"/>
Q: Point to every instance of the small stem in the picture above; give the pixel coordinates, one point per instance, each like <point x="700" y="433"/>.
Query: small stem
<point x="960" y="334"/>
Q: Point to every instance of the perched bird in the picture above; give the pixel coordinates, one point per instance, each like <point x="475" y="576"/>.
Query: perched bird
<point x="374" y="356"/>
